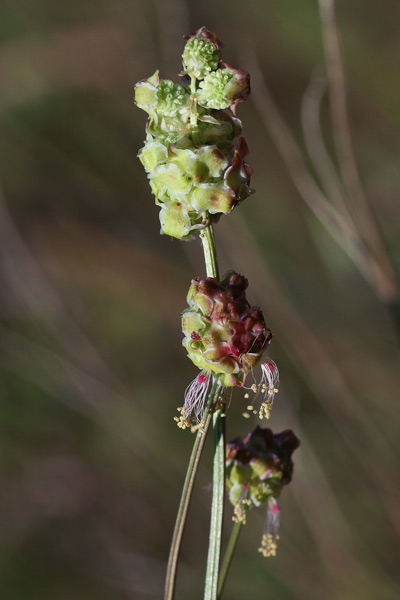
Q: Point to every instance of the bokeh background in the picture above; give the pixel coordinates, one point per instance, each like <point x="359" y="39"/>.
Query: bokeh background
<point x="91" y="363"/>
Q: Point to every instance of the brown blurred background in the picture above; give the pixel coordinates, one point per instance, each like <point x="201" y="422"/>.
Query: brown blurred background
<point x="91" y="363"/>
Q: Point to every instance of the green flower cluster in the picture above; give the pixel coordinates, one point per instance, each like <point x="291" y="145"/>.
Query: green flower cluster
<point x="194" y="152"/>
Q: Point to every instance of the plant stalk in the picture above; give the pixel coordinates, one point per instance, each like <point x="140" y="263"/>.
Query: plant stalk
<point x="187" y="492"/>
<point x="217" y="507"/>
<point x="210" y="257"/>
<point x="210" y="253"/>
<point x="230" y="549"/>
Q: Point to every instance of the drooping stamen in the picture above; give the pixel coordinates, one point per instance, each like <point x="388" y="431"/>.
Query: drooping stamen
<point x="195" y="398"/>
<point x="241" y="506"/>
<point x="267" y="388"/>
<point x="269" y="542"/>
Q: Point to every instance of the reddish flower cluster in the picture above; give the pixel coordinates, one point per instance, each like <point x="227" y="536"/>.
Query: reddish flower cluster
<point x="223" y="333"/>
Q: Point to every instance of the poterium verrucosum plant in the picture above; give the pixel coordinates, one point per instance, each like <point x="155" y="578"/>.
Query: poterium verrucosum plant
<point x="195" y="158"/>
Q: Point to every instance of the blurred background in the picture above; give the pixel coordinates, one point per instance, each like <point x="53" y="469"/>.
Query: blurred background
<point x="91" y="363"/>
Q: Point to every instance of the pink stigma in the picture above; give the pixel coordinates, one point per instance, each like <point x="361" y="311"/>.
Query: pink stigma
<point x="195" y="336"/>
<point x="275" y="508"/>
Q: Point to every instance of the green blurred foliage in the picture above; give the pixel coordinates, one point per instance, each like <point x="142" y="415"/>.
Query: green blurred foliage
<point x="91" y="363"/>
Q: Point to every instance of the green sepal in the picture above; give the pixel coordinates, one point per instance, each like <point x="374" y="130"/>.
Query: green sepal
<point x="152" y="154"/>
<point x="193" y="322"/>
<point x="175" y="220"/>
<point x="209" y="163"/>
<point x="146" y="94"/>
<point x="169" y="178"/>
<point x="214" y="198"/>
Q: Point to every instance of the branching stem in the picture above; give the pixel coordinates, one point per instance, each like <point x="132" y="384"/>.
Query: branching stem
<point x="187" y="492"/>
<point x="230" y="549"/>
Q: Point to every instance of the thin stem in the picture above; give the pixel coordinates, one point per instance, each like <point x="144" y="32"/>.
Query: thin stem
<point x="187" y="492"/>
<point x="217" y="508"/>
<point x="230" y="549"/>
<point x="210" y="257"/>
<point x="193" y="108"/>
<point x="210" y="253"/>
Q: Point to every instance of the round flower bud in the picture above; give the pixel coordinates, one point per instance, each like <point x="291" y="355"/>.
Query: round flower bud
<point x="201" y="54"/>
<point x="172" y="99"/>
<point x="224" y="88"/>
<point x="223" y="333"/>
<point x="162" y="98"/>
<point x="212" y="90"/>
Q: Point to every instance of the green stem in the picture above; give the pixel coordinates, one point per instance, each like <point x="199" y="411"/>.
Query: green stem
<point x="217" y="507"/>
<point x="193" y="108"/>
<point x="210" y="257"/>
<point x="210" y="253"/>
<point x="187" y="492"/>
<point x="237" y="528"/>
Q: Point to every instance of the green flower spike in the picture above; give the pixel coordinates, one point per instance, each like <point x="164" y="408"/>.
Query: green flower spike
<point x="194" y="153"/>
<point x="257" y="468"/>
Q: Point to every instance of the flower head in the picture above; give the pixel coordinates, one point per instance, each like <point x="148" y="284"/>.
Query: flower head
<point x="223" y="333"/>
<point x="257" y="467"/>
<point x="194" y="152"/>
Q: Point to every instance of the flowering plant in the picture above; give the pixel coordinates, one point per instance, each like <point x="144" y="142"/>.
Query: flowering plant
<point x="195" y="155"/>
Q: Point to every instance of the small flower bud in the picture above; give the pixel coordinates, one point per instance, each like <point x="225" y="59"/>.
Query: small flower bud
<point x="238" y="87"/>
<point x="211" y="93"/>
<point x="201" y="54"/>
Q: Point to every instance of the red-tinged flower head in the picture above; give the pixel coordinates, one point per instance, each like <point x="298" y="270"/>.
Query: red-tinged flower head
<point x="257" y="467"/>
<point x="223" y="333"/>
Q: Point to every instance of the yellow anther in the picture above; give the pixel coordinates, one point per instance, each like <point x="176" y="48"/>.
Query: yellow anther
<point x="269" y="545"/>
<point x="239" y="511"/>
<point x="246" y="415"/>
<point x="265" y="410"/>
